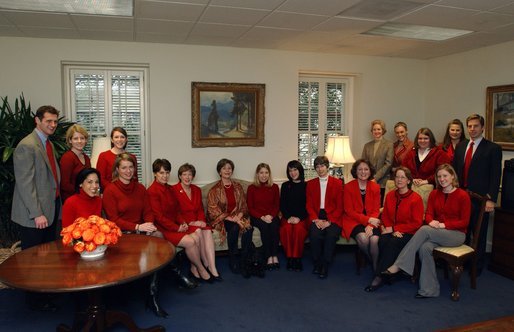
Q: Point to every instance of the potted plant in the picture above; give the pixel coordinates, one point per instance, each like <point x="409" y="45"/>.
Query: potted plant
<point x="15" y="124"/>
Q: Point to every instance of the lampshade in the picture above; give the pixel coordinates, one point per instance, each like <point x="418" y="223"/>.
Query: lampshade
<point x="100" y="144"/>
<point x="338" y="150"/>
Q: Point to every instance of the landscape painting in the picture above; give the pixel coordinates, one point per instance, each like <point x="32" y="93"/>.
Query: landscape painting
<point x="500" y="115"/>
<point x="227" y="114"/>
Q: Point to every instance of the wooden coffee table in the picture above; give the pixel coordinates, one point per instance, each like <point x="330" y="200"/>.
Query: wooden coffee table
<point x="53" y="268"/>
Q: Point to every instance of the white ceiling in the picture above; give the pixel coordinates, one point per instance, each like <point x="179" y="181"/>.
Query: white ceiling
<point x="326" y="26"/>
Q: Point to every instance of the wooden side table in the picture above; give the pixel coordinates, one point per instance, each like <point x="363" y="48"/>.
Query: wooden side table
<point x="502" y="255"/>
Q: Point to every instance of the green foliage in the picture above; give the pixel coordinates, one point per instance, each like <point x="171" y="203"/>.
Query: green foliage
<point x="15" y="124"/>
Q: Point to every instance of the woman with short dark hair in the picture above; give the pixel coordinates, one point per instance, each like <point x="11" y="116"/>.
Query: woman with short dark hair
<point x="86" y="201"/>
<point x="294" y="226"/>
<point x="362" y="209"/>
<point x="190" y="211"/>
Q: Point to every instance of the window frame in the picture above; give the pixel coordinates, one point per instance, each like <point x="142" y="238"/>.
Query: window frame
<point x="323" y="79"/>
<point x="68" y="68"/>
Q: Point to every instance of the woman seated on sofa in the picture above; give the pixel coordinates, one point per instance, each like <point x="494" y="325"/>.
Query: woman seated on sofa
<point x="263" y="201"/>
<point x="401" y="218"/>
<point x="228" y="213"/>
<point x="165" y="208"/>
<point x="447" y="215"/>
<point x="424" y="159"/>
<point x="362" y="208"/>
<point x="86" y="201"/>
<point x="127" y="203"/>
<point x="191" y="213"/>
<point x="294" y="226"/>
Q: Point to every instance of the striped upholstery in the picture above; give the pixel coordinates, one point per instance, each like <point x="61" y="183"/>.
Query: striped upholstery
<point x="455" y="251"/>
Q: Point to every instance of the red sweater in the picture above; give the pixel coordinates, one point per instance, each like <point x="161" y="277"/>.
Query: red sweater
<point x="70" y="166"/>
<point x="189" y="209"/>
<point x="354" y="209"/>
<point x="127" y="204"/>
<point x="105" y="164"/>
<point x="80" y="205"/>
<point x="426" y="170"/>
<point x="454" y="210"/>
<point x="164" y="206"/>
<point x="403" y="212"/>
<point x="263" y="200"/>
<point x="333" y="200"/>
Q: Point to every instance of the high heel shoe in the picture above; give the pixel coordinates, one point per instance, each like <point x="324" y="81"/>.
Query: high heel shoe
<point x="151" y="304"/>
<point x="372" y="288"/>
<point x="217" y="278"/>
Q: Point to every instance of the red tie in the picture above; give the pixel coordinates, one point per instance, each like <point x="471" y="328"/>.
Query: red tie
<point x="467" y="162"/>
<point x="51" y="158"/>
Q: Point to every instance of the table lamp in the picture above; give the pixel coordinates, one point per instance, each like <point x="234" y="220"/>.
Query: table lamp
<point x="100" y="144"/>
<point x="339" y="153"/>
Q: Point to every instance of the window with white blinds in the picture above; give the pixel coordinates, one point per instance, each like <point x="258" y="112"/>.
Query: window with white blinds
<point x="322" y="108"/>
<point x="100" y="98"/>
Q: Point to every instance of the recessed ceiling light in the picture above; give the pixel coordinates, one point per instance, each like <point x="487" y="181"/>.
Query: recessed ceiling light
<point x="94" y="7"/>
<point x="416" y="32"/>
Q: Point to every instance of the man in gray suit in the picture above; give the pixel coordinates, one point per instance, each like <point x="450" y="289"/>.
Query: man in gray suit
<point x="36" y="203"/>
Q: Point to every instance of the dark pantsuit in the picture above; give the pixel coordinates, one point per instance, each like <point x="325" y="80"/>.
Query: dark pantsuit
<point x="233" y="235"/>
<point x="323" y="242"/>
<point x="269" y="235"/>
<point x="389" y="249"/>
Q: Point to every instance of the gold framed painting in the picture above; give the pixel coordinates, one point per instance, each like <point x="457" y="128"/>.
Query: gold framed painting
<point x="500" y="115"/>
<point x="227" y="114"/>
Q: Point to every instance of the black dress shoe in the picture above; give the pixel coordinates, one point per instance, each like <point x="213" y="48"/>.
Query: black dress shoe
<point x="185" y="282"/>
<point x="276" y="266"/>
<point x="298" y="266"/>
<point x="372" y="288"/>
<point x="270" y="266"/>
<point x="323" y="271"/>
<point x="290" y="264"/>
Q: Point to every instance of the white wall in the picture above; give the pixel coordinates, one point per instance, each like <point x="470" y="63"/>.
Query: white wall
<point x="386" y="88"/>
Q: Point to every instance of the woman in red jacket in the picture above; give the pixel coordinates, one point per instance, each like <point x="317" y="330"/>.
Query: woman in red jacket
<point x="424" y="159"/>
<point x="86" y="201"/>
<point x="447" y="216"/>
<point x="106" y="159"/>
<point x="74" y="160"/>
<point x="362" y="208"/>
<point x="191" y="213"/>
<point x="127" y="203"/>
<point x="454" y="135"/>
<point x="263" y="200"/>
<point x="401" y="218"/>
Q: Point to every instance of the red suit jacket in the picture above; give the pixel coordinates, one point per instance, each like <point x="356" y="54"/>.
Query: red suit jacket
<point x="354" y="209"/>
<point x="333" y="200"/>
<point x="189" y="209"/>
<point x="426" y="170"/>
<point x="453" y="209"/>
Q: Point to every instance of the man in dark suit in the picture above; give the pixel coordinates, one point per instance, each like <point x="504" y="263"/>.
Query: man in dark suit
<point x="36" y="202"/>
<point x="477" y="162"/>
<point x="325" y="210"/>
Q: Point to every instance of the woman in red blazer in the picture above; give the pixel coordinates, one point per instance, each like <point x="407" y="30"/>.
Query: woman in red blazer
<point x="326" y="220"/>
<point x="454" y="135"/>
<point x="362" y="209"/>
<point x="190" y="212"/>
<point x="401" y="218"/>
<point x="424" y="159"/>
<point x="86" y="201"/>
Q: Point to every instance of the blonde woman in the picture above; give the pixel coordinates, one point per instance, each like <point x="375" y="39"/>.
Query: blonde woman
<point x="74" y="160"/>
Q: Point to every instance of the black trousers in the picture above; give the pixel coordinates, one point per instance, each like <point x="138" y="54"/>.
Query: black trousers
<point x="389" y="247"/>
<point x="269" y="235"/>
<point x="482" y="240"/>
<point x="323" y="242"/>
<point x="31" y="236"/>
<point x="233" y="235"/>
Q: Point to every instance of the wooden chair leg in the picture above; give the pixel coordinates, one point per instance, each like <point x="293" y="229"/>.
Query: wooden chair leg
<point x="473" y="273"/>
<point x="456" y="273"/>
